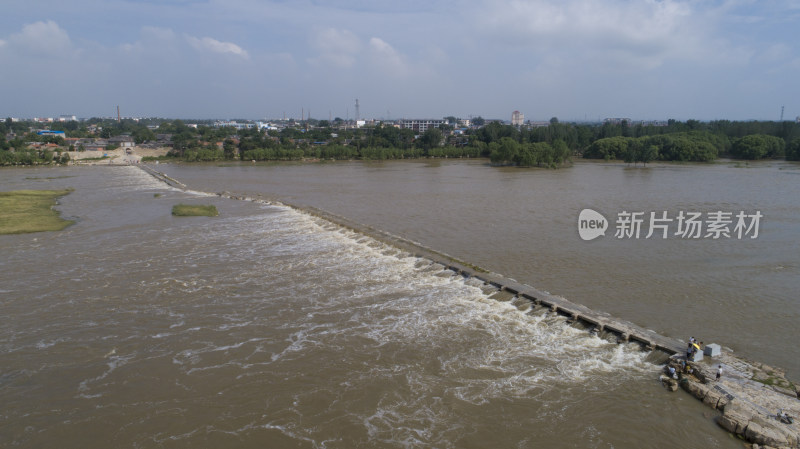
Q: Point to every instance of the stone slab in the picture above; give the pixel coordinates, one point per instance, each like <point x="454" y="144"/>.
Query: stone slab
<point x="712" y="350"/>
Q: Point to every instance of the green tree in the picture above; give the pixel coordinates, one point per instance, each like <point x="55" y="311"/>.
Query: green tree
<point x="608" y="148"/>
<point x="506" y="151"/>
<point x="648" y="153"/>
<point x="229" y="149"/>
<point x="143" y="134"/>
<point x="758" y="146"/>
<point x="793" y="150"/>
<point x="561" y="150"/>
<point x="528" y="156"/>
<point x="431" y="138"/>
<point x="630" y="154"/>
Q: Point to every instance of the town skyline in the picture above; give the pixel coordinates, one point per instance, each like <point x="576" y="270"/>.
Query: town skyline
<point x="577" y="60"/>
<point x="517" y="119"/>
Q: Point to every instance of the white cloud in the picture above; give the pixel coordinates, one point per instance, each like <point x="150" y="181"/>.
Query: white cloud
<point x="643" y="34"/>
<point x="215" y="46"/>
<point x="41" y="39"/>
<point x="152" y="39"/>
<point x="335" y="47"/>
<point x="386" y="58"/>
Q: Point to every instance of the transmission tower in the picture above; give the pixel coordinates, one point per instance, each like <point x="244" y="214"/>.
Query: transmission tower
<point x="782" y="112"/>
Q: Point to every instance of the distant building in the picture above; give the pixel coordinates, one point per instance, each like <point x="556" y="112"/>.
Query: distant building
<point x="421" y="125"/>
<point x="67" y="118"/>
<point x="121" y="141"/>
<point x="47" y="132"/>
<point x="266" y="125"/>
<point x="517" y="118"/>
<point x="234" y="124"/>
<point x="96" y="145"/>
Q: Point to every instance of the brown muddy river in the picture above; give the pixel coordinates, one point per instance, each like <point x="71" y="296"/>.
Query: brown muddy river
<point x="267" y="328"/>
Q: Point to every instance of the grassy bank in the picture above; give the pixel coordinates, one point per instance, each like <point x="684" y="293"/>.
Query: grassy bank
<point x="24" y="211"/>
<point x="159" y="158"/>
<point x="188" y="210"/>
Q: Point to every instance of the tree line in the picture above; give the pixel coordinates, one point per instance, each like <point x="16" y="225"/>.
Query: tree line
<point x="544" y="146"/>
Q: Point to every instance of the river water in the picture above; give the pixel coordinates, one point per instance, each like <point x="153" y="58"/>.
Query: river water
<point x="265" y="327"/>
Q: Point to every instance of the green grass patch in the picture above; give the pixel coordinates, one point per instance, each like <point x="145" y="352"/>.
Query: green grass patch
<point x="189" y="210"/>
<point x="34" y="178"/>
<point x="101" y="158"/>
<point x="156" y="195"/>
<point x="24" y="211"/>
<point x="771" y="378"/>
<point x="159" y="158"/>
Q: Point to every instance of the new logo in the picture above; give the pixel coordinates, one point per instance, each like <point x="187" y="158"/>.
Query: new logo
<point x="591" y="224"/>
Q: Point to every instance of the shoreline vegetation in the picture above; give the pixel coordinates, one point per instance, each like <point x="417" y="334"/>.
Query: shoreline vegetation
<point x="27" y="211"/>
<point x="549" y="144"/>
<point x="192" y="210"/>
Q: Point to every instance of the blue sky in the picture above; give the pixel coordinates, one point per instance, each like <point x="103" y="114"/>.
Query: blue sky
<point x="572" y="59"/>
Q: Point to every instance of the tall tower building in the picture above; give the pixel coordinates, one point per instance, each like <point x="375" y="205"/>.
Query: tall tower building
<point x="517" y="118"/>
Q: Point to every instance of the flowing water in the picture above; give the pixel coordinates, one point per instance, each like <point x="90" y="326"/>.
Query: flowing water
<point x="741" y="293"/>
<point x="266" y="327"/>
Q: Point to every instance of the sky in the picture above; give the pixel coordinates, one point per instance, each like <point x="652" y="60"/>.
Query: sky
<point x="572" y="59"/>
